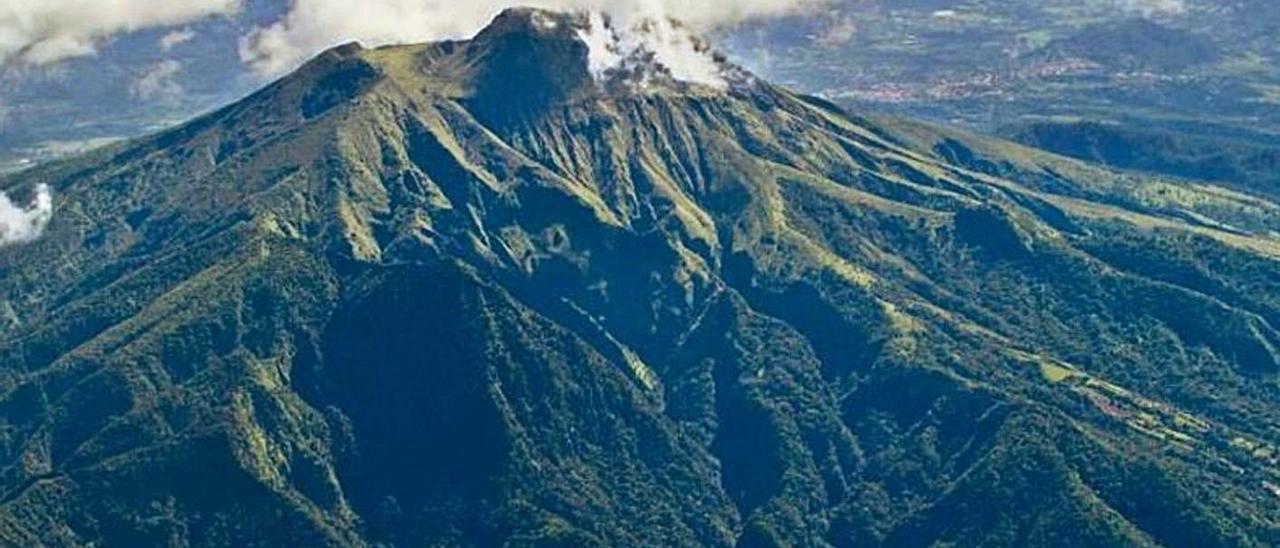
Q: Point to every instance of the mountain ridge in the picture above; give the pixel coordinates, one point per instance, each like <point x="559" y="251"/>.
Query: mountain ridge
<point x="375" y="307"/>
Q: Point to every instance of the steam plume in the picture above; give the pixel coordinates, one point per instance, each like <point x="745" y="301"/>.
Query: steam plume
<point x="21" y="225"/>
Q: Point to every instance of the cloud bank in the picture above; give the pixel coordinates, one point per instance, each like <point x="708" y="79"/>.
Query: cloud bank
<point x="313" y="25"/>
<point x="44" y="31"/>
<point x="21" y="225"/>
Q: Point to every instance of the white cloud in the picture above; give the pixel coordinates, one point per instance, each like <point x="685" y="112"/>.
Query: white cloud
<point x="159" y="82"/>
<point x="311" y="26"/>
<point x="21" y="225"/>
<point x="176" y="38"/>
<point x="44" y="31"/>
<point x="842" y="30"/>
<point x="1152" y="8"/>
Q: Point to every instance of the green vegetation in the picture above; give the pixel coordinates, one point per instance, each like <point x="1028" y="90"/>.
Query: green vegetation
<point x="1055" y="373"/>
<point x="385" y="302"/>
<point x="1249" y="163"/>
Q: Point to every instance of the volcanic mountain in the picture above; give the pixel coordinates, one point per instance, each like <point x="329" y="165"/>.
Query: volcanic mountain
<point x="476" y="293"/>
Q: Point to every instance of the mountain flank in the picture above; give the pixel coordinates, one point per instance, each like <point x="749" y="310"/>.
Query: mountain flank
<point x="472" y="293"/>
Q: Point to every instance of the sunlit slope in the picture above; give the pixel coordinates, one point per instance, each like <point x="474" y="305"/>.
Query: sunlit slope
<point x="461" y="294"/>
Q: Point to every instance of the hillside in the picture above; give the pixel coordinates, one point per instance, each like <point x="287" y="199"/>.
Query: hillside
<point x="1133" y="44"/>
<point x="1206" y="65"/>
<point x="1250" y="162"/>
<point x="470" y="293"/>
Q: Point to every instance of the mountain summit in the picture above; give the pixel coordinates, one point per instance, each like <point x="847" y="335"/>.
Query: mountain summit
<point x="463" y="294"/>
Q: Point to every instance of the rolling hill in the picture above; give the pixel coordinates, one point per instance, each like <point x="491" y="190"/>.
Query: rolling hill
<point x="1249" y="162"/>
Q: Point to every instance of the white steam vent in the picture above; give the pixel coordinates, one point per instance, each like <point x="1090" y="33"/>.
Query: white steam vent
<point x="25" y="224"/>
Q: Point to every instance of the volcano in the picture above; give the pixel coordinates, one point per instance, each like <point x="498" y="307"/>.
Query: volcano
<point x="477" y="293"/>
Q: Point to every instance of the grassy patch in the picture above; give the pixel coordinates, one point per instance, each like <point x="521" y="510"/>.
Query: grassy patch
<point x="1055" y="373"/>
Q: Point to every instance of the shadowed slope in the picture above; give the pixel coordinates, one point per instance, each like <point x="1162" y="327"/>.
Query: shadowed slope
<point x="390" y="299"/>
